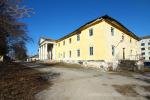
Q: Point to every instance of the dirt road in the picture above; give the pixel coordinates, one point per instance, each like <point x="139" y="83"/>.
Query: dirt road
<point x="85" y="84"/>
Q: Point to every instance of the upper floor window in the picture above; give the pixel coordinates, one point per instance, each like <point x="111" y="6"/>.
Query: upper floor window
<point x="123" y="37"/>
<point x="130" y="40"/>
<point x="78" y="53"/>
<point x="142" y="44"/>
<point x="78" y="37"/>
<point x="64" y="42"/>
<point x="58" y="44"/>
<point x="142" y="48"/>
<point x="69" y="40"/>
<point x="112" y="31"/>
<point x="113" y="50"/>
<point x="143" y="53"/>
<point x="91" y="32"/>
<point x="91" y="50"/>
<point x="148" y="48"/>
<point x="148" y="43"/>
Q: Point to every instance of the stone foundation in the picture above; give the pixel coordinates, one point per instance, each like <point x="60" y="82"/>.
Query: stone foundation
<point x="101" y="64"/>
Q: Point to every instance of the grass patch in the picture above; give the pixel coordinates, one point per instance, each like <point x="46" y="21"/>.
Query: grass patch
<point x="62" y="64"/>
<point x="127" y="90"/>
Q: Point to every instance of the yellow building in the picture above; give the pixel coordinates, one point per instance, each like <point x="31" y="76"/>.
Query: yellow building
<point x="103" y="39"/>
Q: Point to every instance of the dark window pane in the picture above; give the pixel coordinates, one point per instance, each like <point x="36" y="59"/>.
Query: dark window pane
<point x="90" y="32"/>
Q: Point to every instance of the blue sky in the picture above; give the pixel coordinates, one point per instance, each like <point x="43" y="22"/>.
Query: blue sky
<point x="56" y="18"/>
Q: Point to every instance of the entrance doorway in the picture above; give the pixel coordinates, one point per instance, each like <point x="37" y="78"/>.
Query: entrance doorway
<point x="50" y="51"/>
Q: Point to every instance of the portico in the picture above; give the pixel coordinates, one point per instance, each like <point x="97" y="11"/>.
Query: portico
<point x="46" y="49"/>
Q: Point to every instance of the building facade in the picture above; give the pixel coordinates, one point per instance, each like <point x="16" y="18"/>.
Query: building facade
<point x="145" y="47"/>
<point x="46" y="49"/>
<point x="103" y="39"/>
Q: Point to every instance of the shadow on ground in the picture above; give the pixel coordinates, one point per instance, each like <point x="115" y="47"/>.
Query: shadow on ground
<point x="18" y="82"/>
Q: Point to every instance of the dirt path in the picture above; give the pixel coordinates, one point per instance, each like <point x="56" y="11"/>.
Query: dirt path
<point x="76" y="84"/>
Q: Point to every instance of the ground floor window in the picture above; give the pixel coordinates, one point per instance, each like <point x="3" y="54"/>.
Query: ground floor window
<point x="91" y="51"/>
<point x="69" y="53"/>
<point x="78" y="53"/>
<point x="113" y="50"/>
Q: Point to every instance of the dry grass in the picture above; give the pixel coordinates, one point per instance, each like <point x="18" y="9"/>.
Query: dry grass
<point x="127" y="90"/>
<point x="124" y="73"/>
<point x="62" y="64"/>
<point x="146" y="69"/>
<point x="18" y="82"/>
<point x="146" y="88"/>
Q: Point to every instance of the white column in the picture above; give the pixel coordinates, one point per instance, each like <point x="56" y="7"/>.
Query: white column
<point x="46" y="51"/>
<point x="53" y="52"/>
<point x="42" y="52"/>
<point x="39" y="52"/>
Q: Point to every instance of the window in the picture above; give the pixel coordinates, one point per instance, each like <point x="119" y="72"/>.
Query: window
<point x="59" y="44"/>
<point x="64" y="42"/>
<point x="148" y="48"/>
<point x="149" y="58"/>
<point x="143" y="53"/>
<point x="142" y="44"/>
<point x="90" y="32"/>
<point x="78" y="53"/>
<point x="70" y="40"/>
<point x="78" y="37"/>
<point x="91" y="51"/>
<point x="148" y="43"/>
<point x="112" y="31"/>
<point x="113" y="50"/>
<point x="142" y="48"/>
<point x="149" y="53"/>
<point x="70" y="53"/>
<point x="130" y="40"/>
<point x="123" y="37"/>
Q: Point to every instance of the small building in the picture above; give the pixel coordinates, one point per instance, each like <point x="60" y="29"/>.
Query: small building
<point x="33" y="58"/>
<point x="145" y="47"/>
<point x="102" y="39"/>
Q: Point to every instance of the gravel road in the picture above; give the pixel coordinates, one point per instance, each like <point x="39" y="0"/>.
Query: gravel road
<point x="87" y="84"/>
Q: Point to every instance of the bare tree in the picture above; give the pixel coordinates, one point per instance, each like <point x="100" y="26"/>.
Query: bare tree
<point x="13" y="33"/>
